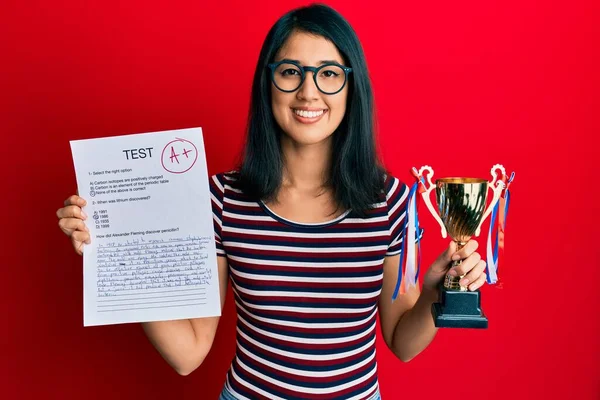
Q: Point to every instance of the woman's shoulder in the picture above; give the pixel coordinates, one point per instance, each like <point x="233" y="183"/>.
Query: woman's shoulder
<point x="392" y="185"/>
<point x="226" y="176"/>
<point x="395" y="192"/>
<point x="222" y="182"/>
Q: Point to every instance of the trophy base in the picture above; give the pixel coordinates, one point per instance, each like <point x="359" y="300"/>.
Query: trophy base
<point x="458" y="310"/>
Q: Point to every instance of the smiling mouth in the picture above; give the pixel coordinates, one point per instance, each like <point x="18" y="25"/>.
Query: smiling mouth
<point x="309" y="114"/>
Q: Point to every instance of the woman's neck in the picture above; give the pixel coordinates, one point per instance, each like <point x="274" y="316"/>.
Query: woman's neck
<point x="305" y="167"/>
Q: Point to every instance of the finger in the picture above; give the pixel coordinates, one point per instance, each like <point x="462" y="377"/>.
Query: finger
<point x="474" y="274"/>
<point x="75" y="200"/>
<point x="478" y="283"/>
<point x="81" y="237"/>
<point x="442" y="263"/>
<point x="78" y="246"/>
<point x="467" y="265"/>
<point x="446" y="256"/>
<point x="69" y="225"/>
<point x="71" y="211"/>
<point x="466" y="251"/>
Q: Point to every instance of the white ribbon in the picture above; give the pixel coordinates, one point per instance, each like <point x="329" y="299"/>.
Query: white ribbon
<point x="491" y="263"/>
<point x="411" y="268"/>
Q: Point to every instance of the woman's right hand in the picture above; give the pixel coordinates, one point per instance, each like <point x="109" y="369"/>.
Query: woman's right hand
<point x="70" y="221"/>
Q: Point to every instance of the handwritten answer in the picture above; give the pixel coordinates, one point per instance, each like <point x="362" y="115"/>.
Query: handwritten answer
<point x="157" y="273"/>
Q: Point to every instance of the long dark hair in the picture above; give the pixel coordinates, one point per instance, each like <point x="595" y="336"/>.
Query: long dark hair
<point x="356" y="174"/>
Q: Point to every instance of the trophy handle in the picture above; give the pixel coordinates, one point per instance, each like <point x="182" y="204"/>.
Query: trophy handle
<point x="497" y="185"/>
<point x="426" y="194"/>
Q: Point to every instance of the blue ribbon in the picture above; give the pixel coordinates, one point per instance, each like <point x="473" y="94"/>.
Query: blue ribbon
<point x="493" y="222"/>
<point x="507" y="201"/>
<point x="418" y="234"/>
<point x="495" y="247"/>
<point x="412" y="192"/>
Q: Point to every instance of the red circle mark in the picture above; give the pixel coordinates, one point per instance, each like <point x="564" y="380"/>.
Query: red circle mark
<point x="178" y="160"/>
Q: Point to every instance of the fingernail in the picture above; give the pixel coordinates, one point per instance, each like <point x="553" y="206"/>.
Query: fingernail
<point x="452" y="272"/>
<point x="464" y="282"/>
<point x="83" y="214"/>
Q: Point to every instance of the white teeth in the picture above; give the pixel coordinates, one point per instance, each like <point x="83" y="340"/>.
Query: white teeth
<point x="309" y="114"/>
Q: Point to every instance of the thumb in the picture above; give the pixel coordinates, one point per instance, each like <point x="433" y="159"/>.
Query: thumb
<point x="442" y="263"/>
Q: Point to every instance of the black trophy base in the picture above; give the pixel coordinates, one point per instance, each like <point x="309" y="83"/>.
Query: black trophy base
<point x="458" y="310"/>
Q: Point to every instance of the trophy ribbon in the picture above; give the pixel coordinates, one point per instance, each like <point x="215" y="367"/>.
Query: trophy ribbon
<point x="500" y="210"/>
<point x="408" y="273"/>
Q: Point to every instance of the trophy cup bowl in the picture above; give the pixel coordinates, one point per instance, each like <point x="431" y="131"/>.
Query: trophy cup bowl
<point x="461" y="203"/>
<point x="462" y="210"/>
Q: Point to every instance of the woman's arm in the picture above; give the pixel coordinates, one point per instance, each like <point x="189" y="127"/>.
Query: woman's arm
<point x="185" y="343"/>
<point x="406" y="323"/>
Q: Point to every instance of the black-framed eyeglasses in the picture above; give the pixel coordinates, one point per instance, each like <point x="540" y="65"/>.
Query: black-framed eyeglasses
<point x="329" y="78"/>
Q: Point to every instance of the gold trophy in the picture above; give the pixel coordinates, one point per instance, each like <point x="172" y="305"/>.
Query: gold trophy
<point x="461" y="203"/>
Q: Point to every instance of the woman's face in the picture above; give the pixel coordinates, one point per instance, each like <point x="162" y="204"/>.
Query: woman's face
<point x="308" y="116"/>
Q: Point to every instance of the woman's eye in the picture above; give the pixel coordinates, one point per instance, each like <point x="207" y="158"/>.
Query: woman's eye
<point x="329" y="74"/>
<point x="289" y="71"/>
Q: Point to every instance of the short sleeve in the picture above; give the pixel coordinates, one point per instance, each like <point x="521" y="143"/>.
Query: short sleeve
<point x="217" y="194"/>
<point x="397" y="206"/>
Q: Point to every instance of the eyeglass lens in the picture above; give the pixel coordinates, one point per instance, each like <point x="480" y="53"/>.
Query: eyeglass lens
<point x="330" y="78"/>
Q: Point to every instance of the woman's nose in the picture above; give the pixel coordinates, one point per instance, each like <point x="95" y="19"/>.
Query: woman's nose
<point x="308" y="90"/>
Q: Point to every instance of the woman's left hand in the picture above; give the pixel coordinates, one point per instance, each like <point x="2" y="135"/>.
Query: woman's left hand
<point x="472" y="265"/>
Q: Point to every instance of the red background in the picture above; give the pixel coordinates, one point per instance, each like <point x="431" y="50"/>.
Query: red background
<point x="458" y="85"/>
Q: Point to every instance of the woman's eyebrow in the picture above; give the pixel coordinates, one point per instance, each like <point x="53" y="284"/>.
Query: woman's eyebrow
<point x="319" y="63"/>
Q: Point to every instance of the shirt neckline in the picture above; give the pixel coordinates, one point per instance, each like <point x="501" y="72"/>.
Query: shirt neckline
<point x="286" y="221"/>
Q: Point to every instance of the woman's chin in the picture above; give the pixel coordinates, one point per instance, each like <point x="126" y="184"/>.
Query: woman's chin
<point x="307" y="138"/>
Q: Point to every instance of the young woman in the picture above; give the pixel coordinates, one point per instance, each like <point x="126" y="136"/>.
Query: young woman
<point x="309" y="229"/>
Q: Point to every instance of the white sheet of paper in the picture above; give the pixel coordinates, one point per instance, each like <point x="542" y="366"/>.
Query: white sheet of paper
<point x="152" y="255"/>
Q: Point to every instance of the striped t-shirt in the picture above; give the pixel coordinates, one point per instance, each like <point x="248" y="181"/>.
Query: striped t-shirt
<point x="306" y="294"/>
